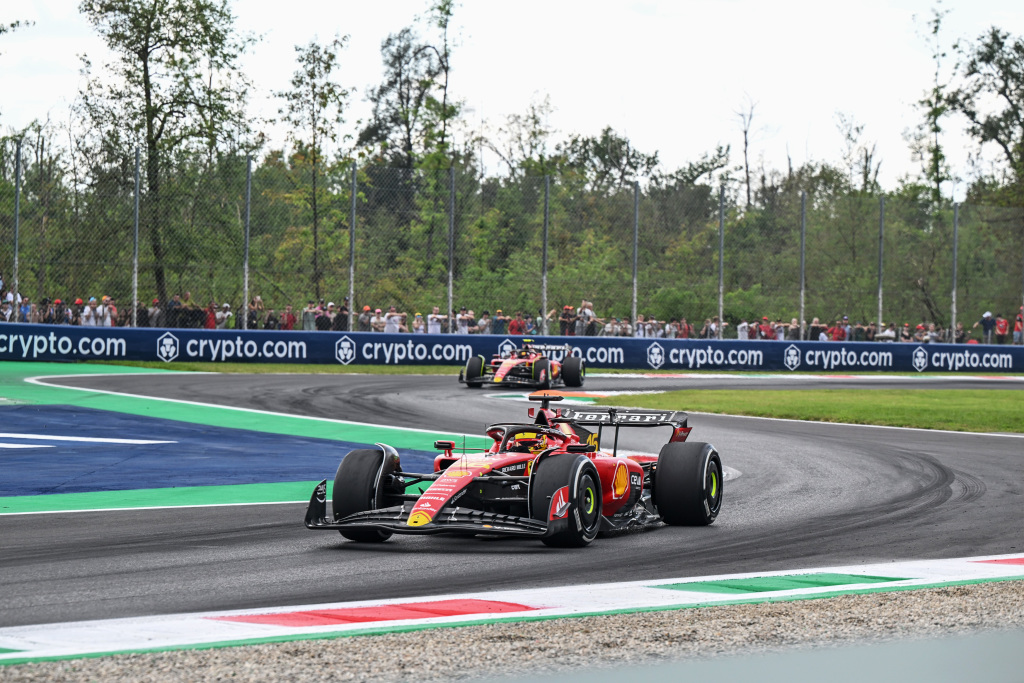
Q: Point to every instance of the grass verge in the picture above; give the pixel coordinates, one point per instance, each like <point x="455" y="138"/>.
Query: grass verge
<point x="965" y="410"/>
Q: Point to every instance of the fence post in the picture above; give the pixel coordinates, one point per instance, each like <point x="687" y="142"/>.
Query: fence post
<point x="244" y="308"/>
<point x="636" y="241"/>
<point x="721" y="260"/>
<point x="544" y="260"/>
<point x="956" y="244"/>
<point x="452" y="327"/>
<point x="881" y="232"/>
<point x="135" y="253"/>
<point x="352" y="316"/>
<point x="16" y="299"/>
<point x="803" y="264"/>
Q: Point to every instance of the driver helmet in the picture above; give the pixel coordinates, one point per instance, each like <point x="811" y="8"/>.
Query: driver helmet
<point x="527" y="442"/>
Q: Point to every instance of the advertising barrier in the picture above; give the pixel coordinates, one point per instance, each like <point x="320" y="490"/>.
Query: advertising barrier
<point x="64" y="343"/>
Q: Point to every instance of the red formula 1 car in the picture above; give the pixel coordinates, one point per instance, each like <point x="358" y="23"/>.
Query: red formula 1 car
<point x="548" y="479"/>
<point x="529" y="365"/>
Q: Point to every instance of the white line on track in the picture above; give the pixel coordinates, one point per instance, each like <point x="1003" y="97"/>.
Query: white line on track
<point x="39" y="381"/>
<point x="85" y="439"/>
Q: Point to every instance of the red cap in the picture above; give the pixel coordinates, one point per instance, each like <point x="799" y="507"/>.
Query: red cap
<point x="156" y="301"/>
<point x="366" y="308"/>
<point x="57" y="301"/>
<point x="78" y="302"/>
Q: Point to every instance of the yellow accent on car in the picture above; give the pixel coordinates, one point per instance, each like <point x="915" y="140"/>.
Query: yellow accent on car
<point x="418" y="518"/>
<point x="620" y="484"/>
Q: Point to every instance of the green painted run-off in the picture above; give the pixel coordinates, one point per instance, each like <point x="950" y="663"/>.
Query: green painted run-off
<point x="769" y="584"/>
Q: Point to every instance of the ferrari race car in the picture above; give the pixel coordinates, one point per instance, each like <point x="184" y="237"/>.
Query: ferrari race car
<point x="526" y="366"/>
<point x="548" y="479"/>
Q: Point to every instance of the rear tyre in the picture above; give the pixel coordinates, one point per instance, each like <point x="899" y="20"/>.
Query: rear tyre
<point x="356" y="490"/>
<point x="573" y="371"/>
<point x="579" y="520"/>
<point x="474" y="371"/>
<point x="542" y="369"/>
<point x="688" y="484"/>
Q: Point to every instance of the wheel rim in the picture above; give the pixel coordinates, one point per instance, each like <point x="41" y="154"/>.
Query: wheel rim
<point x="713" y="486"/>
<point x="588" y="502"/>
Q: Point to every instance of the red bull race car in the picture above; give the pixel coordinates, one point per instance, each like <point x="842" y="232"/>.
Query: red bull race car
<point x="548" y="479"/>
<point x="540" y="366"/>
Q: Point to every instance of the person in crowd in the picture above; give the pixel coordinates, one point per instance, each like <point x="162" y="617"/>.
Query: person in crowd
<point x="531" y="325"/>
<point x="434" y="320"/>
<point x="518" y="325"/>
<point x="363" y="321"/>
<point x="1002" y="329"/>
<point x="394" y="322"/>
<point x="742" y="330"/>
<point x="959" y="333"/>
<point x="567" y="321"/>
<point x="255" y="314"/>
<point x="1018" y="328"/>
<point x="463" y="321"/>
<point x="672" y="329"/>
<point x="377" y="322"/>
<point x="94" y="314"/>
<point x="288" y="319"/>
<point x="483" y="325"/>
<point x="499" y="323"/>
<point x="988" y="327"/>
<point x="222" y="316"/>
<point x="156" y="314"/>
<point x="342" y="321"/>
<point x="325" y="317"/>
<point x="5" y="311"/>
<point x="309" y="316"/>
<point x="272" y="321"/>
<point x="870" y="332"/>
<point x="210" y="316"/>
<point x="418" y="324"/>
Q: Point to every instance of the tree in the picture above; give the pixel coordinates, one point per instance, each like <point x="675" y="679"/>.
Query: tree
<point x="991" y="98"/>
<point x="173" y="83"/>
<point x="746" y="116"/>
<point x="607" y="162"/>
<point x="399" y="102"/>
<point x="314" y="110"/>
<point x="522" y="142"/>
<point x="924" y="142"/>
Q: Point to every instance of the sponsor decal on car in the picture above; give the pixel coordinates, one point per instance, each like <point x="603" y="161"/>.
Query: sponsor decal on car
<point x="419" y="518"/>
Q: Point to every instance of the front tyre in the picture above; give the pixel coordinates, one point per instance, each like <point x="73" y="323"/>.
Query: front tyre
<point x="542" y="373"/>
<point x="688" y="484"/>
<point x="565" y="492"/>
<point x="574" y="372"/>
<point x="474" y="372"/>
<point x="358" y="488"/>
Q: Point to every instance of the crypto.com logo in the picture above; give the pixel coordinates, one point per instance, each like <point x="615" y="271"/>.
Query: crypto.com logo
<point x="507" y="349"/>
<point x="920" y="359"/>
<point x="655" y="355"/>
<point x="791" y="359"/>
<point x="345" y="350"/>
<point x="167" y="347"/>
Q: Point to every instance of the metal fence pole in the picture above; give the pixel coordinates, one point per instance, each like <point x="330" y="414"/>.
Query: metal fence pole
<point x="544" y="259"/>
<point x="721" y="260"/>
<point x="15" y="299"/>
<point x="244" y="308"/>
<point x="636" y="241"/>
<point x="881" y="233"/>
<point x="452" y="327"/>
<point x="803" y="264"/>
<point x="352" y="251"/>
<point x="956" y="244"/>
<point x="135" y="253"/>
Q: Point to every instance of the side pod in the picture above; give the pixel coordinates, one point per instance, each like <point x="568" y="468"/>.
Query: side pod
<point x="317" y="510"/>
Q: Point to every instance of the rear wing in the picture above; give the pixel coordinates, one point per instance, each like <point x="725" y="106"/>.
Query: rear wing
<point x="617" y="418"/>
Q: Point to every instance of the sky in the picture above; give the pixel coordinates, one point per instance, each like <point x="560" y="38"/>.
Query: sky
<point x="672" y="76"/>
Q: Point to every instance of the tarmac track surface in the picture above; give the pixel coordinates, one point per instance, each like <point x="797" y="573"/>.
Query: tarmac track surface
<point x="808" y="495"/>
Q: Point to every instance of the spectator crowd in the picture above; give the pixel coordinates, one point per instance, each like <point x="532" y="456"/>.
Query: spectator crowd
<point x="183" y="311"/>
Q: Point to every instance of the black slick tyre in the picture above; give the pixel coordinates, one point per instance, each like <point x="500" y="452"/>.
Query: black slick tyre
<point x="474" y="372"/>
<point x="357" y="489"/>
<point x="573" y="371"/>
<point x="571" y="482"/>
<point x="688" y="484"/>
<point x="542" y="368"/>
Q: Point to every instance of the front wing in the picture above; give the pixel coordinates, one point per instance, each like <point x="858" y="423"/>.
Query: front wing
<point x="395" y="519"/>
